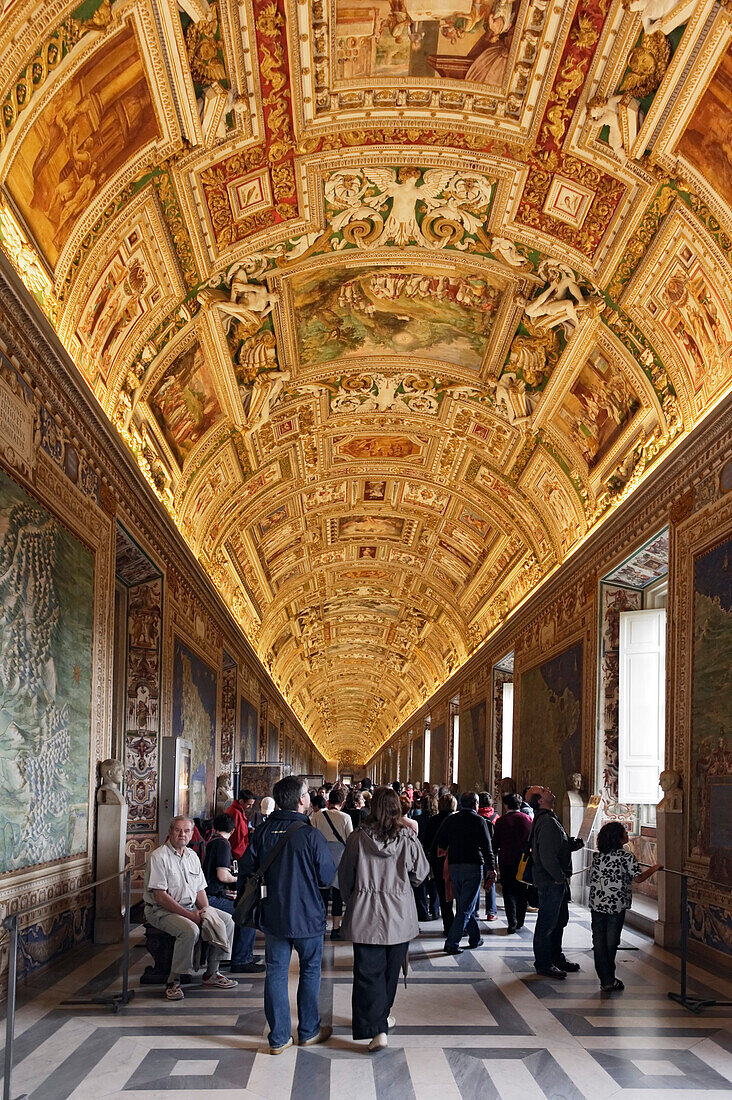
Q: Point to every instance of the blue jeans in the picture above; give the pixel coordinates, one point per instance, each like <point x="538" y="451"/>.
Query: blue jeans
<point x="243" y="948"/>
<point x="466" y="882"/>
<point x="551" y="921"/>
<point x="490" y="900"/>
<point x="277" y="955"/>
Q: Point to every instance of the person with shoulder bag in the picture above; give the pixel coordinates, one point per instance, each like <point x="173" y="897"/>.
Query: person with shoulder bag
<point x="382" y="861"/>
<point x="336" y="826"/>
<point x="292" y="863"/>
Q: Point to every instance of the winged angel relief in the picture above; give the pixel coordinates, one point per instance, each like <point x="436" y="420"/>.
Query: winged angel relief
<point x="432" y="208"/>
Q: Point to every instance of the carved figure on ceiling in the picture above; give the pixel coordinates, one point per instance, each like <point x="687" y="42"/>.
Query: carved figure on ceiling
<point x="511" y="396"/>
<point x="606" y="112"/>
<point x="654" y="13"/>
<point x="267" y="389"/>
<point x="392" y="211"/>
<point x="507" y="251"/>
<point x="561" y="302"/>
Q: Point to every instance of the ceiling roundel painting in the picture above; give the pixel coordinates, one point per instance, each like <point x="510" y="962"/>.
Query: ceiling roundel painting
<point x="393" y="301"/>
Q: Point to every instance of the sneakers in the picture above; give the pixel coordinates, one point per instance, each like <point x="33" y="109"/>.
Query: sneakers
<point x="452" y="950"/>
<point x="278" y="1050"/>
<point x="491" y="916"/>
<point x="614" y="987"/>
<point x="219" y="981"/>
<point x="378" y="1042"/>
<point x="252" y="967"/>
<point x="478" y="943"/>
<point x="390" y="1022"/>
<point x="173" y="992"/>
<point x="322" y="1037"/>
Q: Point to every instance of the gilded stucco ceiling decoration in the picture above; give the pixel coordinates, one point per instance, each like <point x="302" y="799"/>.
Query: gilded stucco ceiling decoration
<point x="393" y="301"/>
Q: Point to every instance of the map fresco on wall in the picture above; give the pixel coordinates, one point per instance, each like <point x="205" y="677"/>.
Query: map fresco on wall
<point x="438" y="755"/>
<point x="347" y="312"/>
<point x="550" y="731"/>
<point x="455" y="39"/>
<point x="471" y="757"/>
<point x="47" y="596"/>
<point x="248" y="732"/>
<point x="195" y="691"/>
<point x="98" y="120"/>
<point x="596" y="408"/>
<point x="185" y="403"/>
<point x="711" y="717"/>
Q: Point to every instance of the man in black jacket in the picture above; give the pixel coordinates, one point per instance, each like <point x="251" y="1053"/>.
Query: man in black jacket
<point x="446" y="808"/>
<point x="471" y="863"/>
<point x="551" y="851"/>
<point x="292" y="914"/>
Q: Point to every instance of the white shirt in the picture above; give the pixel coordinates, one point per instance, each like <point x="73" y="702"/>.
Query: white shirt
<point x="180" y="875"/>
<point x="341" y="823"/>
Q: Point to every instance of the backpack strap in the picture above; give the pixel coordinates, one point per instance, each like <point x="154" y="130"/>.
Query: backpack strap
<point x="333" y="829"/>
<point x="264" y="867"/>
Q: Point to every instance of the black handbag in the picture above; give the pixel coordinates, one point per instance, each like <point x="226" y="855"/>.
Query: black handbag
<point x="255" y="889"/>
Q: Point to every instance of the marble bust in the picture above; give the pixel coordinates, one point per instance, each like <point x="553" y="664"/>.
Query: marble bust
<point x="673" y="798"/>
<point x="224" y="791"/>
<point x="112" y="773"/>
<point x="575" y="781"/>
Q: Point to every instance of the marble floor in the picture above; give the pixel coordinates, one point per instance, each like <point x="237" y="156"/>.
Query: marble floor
<point x="477" y="1026"/>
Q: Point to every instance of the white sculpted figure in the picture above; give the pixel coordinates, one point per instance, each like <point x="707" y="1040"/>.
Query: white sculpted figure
<point x="110" y="792"/>
<point x="559" y="303"/>
<point x="266" y="392"/>
<point x="507" y="251"/>
<point x="606" y="112"/>
<point x="654" y="13"/>
<point x="511" y="395"/>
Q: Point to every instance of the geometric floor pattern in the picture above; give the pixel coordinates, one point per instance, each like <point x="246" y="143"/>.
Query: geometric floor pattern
<point x="479" y="1026"/>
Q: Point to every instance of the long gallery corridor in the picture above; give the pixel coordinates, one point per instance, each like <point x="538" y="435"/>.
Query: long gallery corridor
<point x="476" y="1027"/>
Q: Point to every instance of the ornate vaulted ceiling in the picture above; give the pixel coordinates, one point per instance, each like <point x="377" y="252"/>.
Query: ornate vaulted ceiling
<point x="394" y="300"/>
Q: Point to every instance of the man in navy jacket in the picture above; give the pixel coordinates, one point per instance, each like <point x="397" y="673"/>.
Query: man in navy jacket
<point x="292" y="914"/>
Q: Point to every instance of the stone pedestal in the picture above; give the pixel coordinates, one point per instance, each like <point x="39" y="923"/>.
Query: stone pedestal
<point x="669" y="841"/>
<point x="573" y="812"/>
<point x="111" y="836"/>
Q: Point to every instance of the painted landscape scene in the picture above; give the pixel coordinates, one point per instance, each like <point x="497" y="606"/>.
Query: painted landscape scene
<point x="350" y="312"/>
<point x="47" y="596"/>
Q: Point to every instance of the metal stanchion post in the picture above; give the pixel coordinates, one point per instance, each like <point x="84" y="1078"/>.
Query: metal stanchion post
<point x="694" y="1004"/>
<point x="127" y="995"/>
<point x="11" y="924"/>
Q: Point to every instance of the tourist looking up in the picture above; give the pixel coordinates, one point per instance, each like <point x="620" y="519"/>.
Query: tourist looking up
<point x="383" y="860"/>
<point x="292" y="915"/>
<point x="551" y="850"/>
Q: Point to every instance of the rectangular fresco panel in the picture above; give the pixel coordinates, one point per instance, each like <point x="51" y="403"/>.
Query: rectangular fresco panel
<point x="472" y="748"/>
<point x="273" y="742"/>
<point x="705" y="141"/>
<point x="711" y="717"/>
<point x="550" y="731"/>
<point x="248" y="731"/>
<point x="195" y="691"/>
<point x="101" y="117"/>
<point x="438" y="755"/>
<point x="348" y="312"/>
<point x="455" y="39"/>
<point x="185" y="403"/>
<point x="47" y="593"/>
<point x="596" y="408"/>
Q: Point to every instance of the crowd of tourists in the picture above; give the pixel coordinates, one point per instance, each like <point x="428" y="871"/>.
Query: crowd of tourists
<point x="377" y="861"/>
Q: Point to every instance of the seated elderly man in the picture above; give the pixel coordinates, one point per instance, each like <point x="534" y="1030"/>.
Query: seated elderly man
<point x="177" y="903"/>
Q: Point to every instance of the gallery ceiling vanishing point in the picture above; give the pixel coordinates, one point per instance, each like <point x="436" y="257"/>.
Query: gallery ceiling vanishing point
<point x="393" y="300"/>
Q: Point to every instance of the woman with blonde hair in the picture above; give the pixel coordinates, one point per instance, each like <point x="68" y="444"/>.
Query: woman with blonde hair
<point x="382" y="861"/>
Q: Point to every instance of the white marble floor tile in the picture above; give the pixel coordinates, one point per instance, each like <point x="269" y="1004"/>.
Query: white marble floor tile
<point x="512" y="1078"/>
<point x="431" y="1075"/>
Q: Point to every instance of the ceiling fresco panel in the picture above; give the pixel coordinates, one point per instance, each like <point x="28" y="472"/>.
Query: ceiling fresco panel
<point x="393" y="301"/>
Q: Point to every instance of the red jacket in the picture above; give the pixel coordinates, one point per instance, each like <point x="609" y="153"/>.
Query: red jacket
<point x="239" y="839"/>
<point x="490" y="815"/>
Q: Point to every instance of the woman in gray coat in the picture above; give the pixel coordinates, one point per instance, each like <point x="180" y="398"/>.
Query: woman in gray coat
<point x="381" y="863"/>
